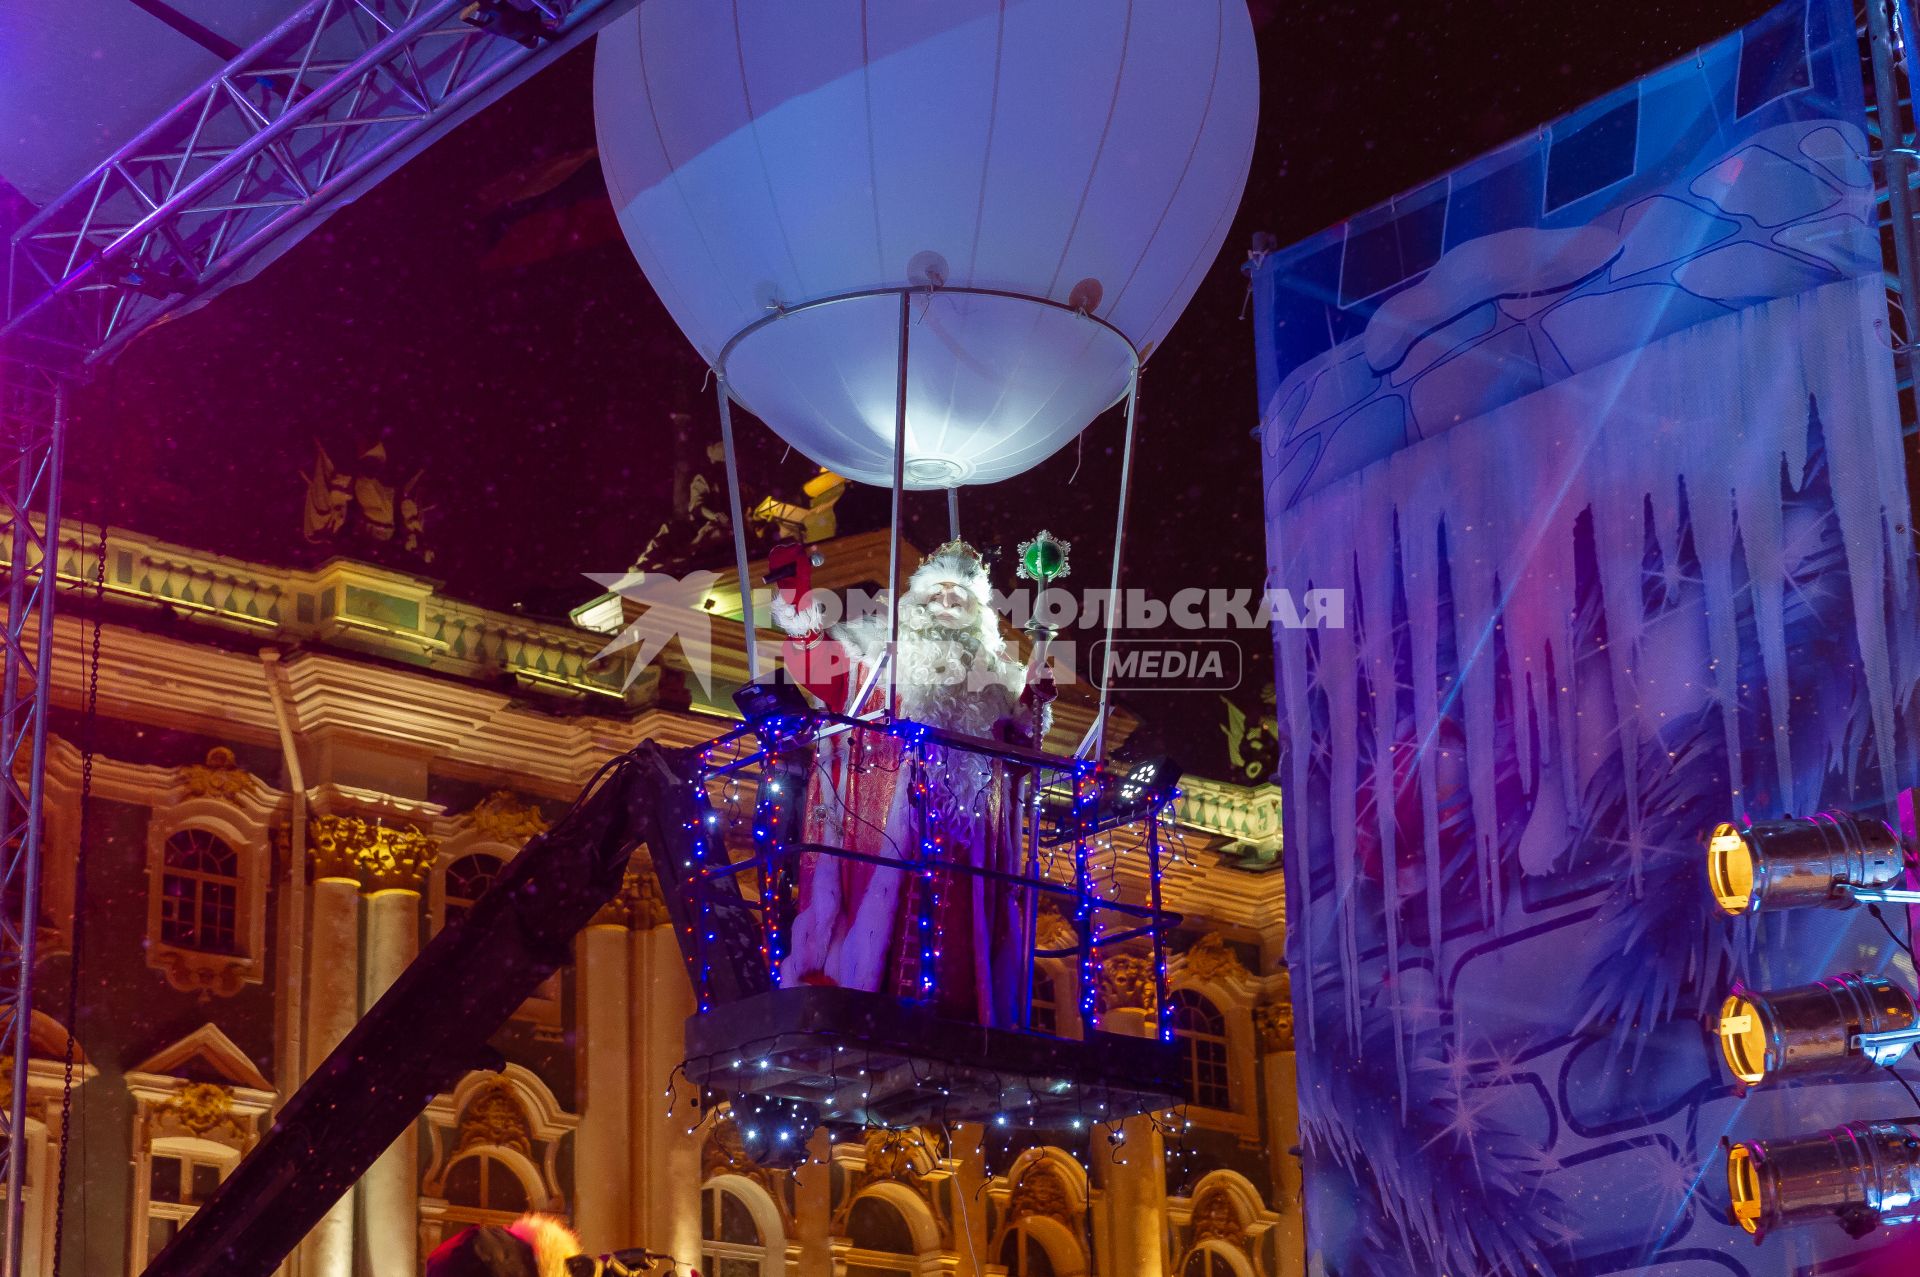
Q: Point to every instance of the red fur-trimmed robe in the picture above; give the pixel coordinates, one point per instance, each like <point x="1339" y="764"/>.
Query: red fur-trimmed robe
<point x="857" y="923"/>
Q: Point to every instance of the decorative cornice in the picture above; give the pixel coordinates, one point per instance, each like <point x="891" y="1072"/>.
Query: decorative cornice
<point x="379" y="857"/>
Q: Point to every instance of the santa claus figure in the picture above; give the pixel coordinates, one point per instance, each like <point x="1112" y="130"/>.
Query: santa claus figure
<point x="857" y="924"/>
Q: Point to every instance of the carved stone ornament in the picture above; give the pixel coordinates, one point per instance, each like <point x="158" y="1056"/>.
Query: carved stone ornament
<point x="211" y="975"/>
<point x="221" y="776"/>
<point x="1052" y="930"/>
<point x="1212" y="959"/>
<point x="900" y="1155"/>
<point x="638" y="903"/>
<point x="36" y="1104"/>
<point x="199" y="1108"/>
<point x="1215" y="1219"/>
<point x="380" y="857"/>
<point x="724" y="1153"/>
<point x="1041" y="1192"/>
<point x="1126" y="982"/>
<point x="504" y="816"/>
<point x="494" y="1118"/>
<point x="1273" y="1021"/>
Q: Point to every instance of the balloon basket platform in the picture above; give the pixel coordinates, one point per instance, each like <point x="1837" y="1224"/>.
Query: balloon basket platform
<point x="1085" y="892"/>
<point x="867" y="1059"/>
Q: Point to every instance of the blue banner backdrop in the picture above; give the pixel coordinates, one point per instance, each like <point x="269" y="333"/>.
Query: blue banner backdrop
<point x="1599" y="435"/>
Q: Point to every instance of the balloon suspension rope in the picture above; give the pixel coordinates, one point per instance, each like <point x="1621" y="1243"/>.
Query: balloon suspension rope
<point x="1098" y="736"/>
<point x="739" y="527"/>
<point x="899" y="488"/>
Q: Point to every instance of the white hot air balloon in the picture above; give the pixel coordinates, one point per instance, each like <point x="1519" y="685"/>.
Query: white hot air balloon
<point x="1043" y="181"/>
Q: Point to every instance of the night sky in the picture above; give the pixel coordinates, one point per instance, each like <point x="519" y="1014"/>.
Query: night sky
<point x="510" y="348"/>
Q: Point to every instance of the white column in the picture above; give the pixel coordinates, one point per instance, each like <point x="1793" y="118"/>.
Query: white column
<point x="812" y="1211"/>
<point x="333" y="1006"/>
<point x="390" y="1190"/>
<point x="1132" y="1176"/>
<point x="666" y="1176"/>
<point x="601" y="1174"/>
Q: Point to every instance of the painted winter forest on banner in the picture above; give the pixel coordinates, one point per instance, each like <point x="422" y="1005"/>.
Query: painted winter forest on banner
<point x="1599" y="435"/>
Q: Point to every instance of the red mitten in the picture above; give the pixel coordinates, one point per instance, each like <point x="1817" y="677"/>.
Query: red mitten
<point x="790" y="570"/>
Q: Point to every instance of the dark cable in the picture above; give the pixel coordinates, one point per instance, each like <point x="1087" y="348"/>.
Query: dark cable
<point x="1891" y="933"/>
<point x="77" y="925"/>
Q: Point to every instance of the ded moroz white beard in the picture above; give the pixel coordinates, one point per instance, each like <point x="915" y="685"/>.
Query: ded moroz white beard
<point x="954" y="677"/>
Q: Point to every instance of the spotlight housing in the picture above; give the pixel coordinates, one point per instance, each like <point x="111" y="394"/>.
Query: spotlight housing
<point x="1861" y="1175"/>
<point x="1833" y="860"/>
<point x="1844" y="1024"/>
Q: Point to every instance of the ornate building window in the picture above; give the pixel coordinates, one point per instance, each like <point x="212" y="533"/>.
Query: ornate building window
<point x="200" y="893"/>
<point x="493" y="1153"/>
<point x="189" y="1131"/>
<point x="466" y="880"/>
<point x="206" y="895"/>
<point x="1202" y="1033"/>
<point x="731" y="1244"/>
<point x="881" y="1239"/>
<point x="181" y="1176"/>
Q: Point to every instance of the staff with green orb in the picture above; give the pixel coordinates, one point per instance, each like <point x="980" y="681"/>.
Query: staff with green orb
<point x="1043" y="560"/>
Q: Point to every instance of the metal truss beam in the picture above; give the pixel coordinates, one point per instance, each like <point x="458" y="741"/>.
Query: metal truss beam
<point x="32" y="425"/>
<point x="318" y="110"/>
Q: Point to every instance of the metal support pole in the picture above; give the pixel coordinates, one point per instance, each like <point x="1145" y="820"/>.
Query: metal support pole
<point x="899" y="489"/>
<point x="1894" y="169"/>
<point x="953" y="514"/>
<point x="1098" y="737"/>
<point x="739" y="526"/>
<point x="1162" y="1013"/>
<point x="32" y="431"/>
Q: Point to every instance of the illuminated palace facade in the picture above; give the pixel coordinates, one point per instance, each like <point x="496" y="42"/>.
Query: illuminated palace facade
<point x="298" y="777"/>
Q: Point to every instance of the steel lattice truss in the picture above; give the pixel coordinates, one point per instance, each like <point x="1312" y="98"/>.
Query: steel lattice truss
<point x="327" y="104"/>
<point x="31" y="406"/>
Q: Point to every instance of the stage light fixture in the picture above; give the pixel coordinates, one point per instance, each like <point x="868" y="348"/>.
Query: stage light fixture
<point x="1848" y="1023"/>
<point x="1834" y="860"/>
<point x="1862" y="1175"/>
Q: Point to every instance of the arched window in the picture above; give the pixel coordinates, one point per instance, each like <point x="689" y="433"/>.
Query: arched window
<point x="482" y="1189"/>
<point x="1202" y="1033"/>
<point x="1023" y="1256"/>
<point x="881" y="1237"/>
<point x="467" y="879"/>
<point x="200" y="893"/>
<point x="730" y="1240"/>
<point x="1208" y="1262"/>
